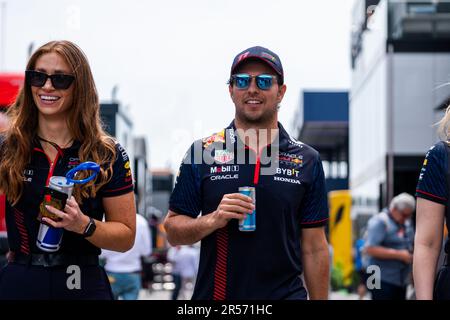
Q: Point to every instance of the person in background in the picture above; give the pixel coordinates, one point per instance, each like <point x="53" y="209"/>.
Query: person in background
<point x="124" y="268"/>
<point x="4" y="249"/>
<point x="184" y="261"/>
<point x="433" y="212"/>
<point x="4" y="122"/>
<point x="360" y="267"/>
<point x="389" y="246"/>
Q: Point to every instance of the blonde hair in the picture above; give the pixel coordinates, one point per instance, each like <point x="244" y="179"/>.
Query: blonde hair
<point x="444" y="125"/>
<point x="83" y="121"/>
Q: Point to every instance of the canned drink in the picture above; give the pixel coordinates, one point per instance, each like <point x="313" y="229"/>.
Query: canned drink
<point x="249" y="223"/>
<point x="49" y="238"/>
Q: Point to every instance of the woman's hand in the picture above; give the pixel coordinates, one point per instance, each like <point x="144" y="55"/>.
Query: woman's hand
<point x="72" y="219"/>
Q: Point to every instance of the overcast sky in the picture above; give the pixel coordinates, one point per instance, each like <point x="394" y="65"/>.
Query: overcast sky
<point x="171" y="59"/>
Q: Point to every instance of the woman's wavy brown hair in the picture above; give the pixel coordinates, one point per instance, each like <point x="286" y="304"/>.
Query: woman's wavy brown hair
<point x="83" y="121"/>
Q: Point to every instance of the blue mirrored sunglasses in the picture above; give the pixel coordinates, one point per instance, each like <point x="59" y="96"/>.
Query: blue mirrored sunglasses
<point x="243" y="80"/>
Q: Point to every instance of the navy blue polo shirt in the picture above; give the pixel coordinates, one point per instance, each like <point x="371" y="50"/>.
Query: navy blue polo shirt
<point x="290" y="195"/>
<point x="432" y="183"/>
<point x="21" y="220"/>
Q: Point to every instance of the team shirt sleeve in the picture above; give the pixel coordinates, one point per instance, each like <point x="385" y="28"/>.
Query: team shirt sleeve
<point x="122" y="179"/>
<point x="314" y="207"/>
<point x="186" y="196"/>
<point x="432" y="184"/>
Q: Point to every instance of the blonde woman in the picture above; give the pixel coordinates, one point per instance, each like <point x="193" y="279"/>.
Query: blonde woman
<point x="432" y="207"/>
<point x="55" y="125"/>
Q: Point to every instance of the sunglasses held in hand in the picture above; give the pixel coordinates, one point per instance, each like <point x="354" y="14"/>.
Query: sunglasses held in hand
<point x="243" y="80"/>
<point x="60" y="81"/>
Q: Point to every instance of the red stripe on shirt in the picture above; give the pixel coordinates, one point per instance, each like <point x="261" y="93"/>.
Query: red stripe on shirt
<point x="311" y="222"/>
<point x="431" y="195"/>
<point x="24" y="246"/>
<point x="118" y="189"/>
<point x="220" y="273"/>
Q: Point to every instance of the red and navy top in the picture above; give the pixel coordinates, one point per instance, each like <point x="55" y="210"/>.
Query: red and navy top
<point x="433" y="183"/>
<point x="290" y="195"/>
<point x="21" y="220"/>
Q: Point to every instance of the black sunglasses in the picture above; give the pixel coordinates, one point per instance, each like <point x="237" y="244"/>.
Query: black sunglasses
<point x="60" y="81"/>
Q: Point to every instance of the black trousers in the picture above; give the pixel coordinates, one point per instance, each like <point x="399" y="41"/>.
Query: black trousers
<point x="30" y="282"/>
<point x="177" y="280"/>
<point x="389" y="292"/>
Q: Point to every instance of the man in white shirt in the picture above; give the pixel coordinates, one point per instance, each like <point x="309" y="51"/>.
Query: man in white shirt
<point x="184" y="261"/>
<point x="124" y="268"/>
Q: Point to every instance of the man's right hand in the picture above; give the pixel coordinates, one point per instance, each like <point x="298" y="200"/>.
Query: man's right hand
<point x="232" y="206"/>
<point x="183" y="229"/>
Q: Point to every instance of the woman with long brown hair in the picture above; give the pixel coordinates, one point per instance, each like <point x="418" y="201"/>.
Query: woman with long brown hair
<point x="54" y="126"/>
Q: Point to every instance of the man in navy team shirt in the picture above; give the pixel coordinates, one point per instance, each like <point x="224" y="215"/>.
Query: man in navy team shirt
<point x="291" y="202"/>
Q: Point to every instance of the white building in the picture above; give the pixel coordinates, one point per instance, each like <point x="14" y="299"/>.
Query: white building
<point x="401" y="61"/>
